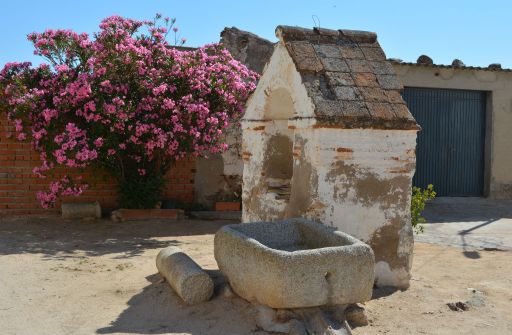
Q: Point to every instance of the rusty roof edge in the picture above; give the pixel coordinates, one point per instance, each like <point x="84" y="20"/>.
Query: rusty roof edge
<point x="443" y="66"/>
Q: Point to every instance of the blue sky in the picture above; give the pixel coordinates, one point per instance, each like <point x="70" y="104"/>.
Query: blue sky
<point x="477" y="32"/>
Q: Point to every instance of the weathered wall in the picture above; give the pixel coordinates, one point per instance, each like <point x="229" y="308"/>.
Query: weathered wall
<point x="219" y="177"/>
<point x="357" y="180"/>
<point x="360" y="183"/>
<point x="499" y="120"/>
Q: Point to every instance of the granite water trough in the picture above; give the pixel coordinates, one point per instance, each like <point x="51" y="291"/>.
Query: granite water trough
<point x="294" y="263"/>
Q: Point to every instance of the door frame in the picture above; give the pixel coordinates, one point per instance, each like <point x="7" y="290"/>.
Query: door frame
<point x="488" y="139"/>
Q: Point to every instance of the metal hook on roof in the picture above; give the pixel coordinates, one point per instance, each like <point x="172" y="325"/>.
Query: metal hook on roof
<point x="316" y="21"/>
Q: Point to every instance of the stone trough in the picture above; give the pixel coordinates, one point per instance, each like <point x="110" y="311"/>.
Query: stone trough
<point x="294" y="263"/>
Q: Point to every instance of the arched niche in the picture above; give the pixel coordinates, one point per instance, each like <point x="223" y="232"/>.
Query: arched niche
<point x="278" y="164"/>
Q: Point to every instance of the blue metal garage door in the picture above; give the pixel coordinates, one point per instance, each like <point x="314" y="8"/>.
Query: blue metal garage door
<point x="450" y="151"/>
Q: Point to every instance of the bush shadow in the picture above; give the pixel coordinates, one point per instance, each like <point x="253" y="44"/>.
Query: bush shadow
<point x="57" y="238"/>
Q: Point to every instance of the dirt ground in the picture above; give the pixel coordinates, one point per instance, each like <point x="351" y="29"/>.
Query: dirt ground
<point x="63" y="277"/>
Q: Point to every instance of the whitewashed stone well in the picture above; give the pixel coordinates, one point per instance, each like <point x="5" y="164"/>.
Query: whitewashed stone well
<point x="327" y="136"/>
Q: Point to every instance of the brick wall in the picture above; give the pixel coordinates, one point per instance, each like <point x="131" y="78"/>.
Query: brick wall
<point x="18" y="186"/>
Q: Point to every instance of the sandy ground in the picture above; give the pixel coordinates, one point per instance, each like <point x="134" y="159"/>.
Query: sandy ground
<point x="59" y="277"/>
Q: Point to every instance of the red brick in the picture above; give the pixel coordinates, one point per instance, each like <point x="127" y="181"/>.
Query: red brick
<point x="19" y="192"/>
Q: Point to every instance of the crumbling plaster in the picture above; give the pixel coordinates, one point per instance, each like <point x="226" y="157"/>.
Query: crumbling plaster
<point x="357" y="180"/>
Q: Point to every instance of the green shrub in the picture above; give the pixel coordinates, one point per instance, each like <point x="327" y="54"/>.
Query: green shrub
<point x="419" y="199"/>
<point x="141" y="191"/>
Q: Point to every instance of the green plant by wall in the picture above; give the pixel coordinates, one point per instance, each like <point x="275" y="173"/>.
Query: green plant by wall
<point x="420" y="197"/>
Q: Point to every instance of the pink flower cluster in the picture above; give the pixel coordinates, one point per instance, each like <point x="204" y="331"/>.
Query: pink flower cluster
<point x="127" y="101"/>
<point x="63" y="187"/>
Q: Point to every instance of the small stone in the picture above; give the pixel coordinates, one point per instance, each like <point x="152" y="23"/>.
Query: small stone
<point x="494" y="66"/>
<point x="462" y="305"/>
<point x="337" y="313"/>
<point x="356" y="316"/>
<point x="114" y="216"/>
<point x="458" y="306"/>
<point x="425" y="60"/>
<point x="477" y="300"/>
<point x="458" y="63"/>
<point x="266" y="319"/>
<point x="297" y="328"/>
<point x="474" y="290"/>
<point x="285" y="315"/>
<point x="226" y="291"/>
<point x="81" y="210"/>
<point x="452" y="306"/>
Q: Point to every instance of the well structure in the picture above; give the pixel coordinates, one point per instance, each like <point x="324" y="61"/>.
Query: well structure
<point x="328" y="137"/>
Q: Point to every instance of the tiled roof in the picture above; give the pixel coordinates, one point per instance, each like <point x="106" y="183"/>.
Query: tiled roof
<point x="492" y="67"/>
<point x="348" y="78"/>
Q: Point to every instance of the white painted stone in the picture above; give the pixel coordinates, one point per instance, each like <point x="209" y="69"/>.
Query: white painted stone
<point x="385" y="276"/>
<point x="279" y="74"/>
<point x="345" y="178"/>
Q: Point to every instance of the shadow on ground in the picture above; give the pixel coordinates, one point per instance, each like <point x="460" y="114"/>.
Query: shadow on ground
<point x="381" y="292"/>
<point x="472" y="224"/>
<point x="468" y="209"/>
<point x="57" y="238"/>
<point x="158" y="310"/>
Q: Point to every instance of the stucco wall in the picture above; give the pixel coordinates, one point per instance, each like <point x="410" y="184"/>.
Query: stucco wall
<point x="499" y="119"/>
<point x="357" y="180"/>
<point x="219" y="177"/>
<point x="363" y="182"/>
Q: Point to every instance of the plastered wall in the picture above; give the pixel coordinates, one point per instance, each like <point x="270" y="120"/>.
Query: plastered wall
<point x="357" y="180"/>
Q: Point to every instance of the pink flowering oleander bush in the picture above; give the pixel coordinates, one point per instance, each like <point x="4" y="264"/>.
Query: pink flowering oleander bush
<point x="126" y="100"/>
